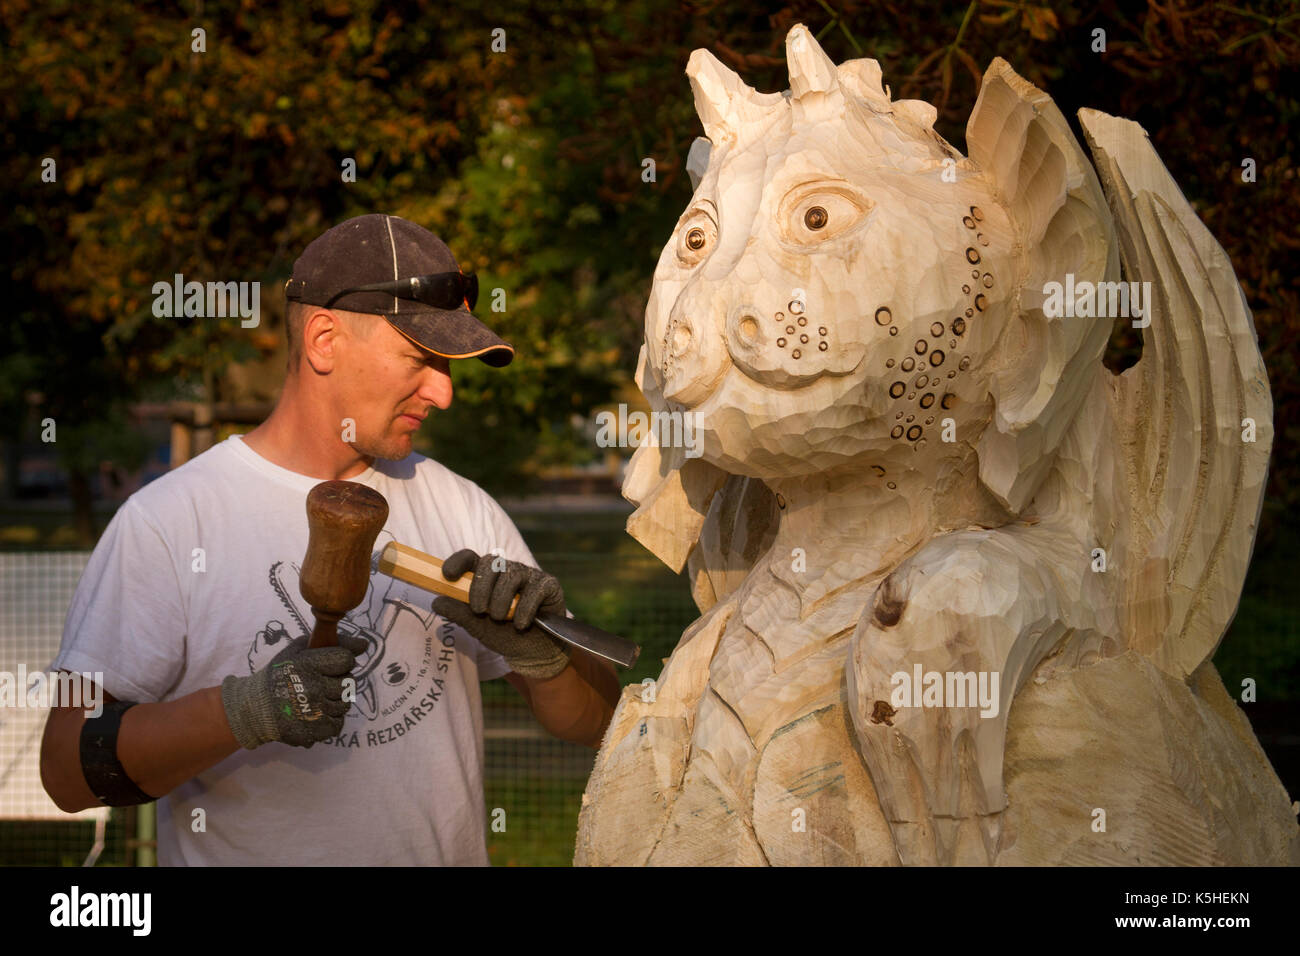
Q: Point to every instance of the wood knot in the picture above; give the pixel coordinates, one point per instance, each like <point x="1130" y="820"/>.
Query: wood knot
<point x="882" y="713"/>
<point x="889" y="604"/>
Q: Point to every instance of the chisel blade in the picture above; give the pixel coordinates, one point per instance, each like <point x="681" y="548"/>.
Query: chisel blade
<point x="601" y="643"/>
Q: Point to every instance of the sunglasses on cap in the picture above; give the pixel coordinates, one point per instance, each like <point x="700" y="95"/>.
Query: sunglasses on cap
<point x="442" y="290"/>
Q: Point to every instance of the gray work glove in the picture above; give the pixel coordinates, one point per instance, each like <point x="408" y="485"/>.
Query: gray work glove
<point x="528" y="649"/>
<point x="296" y="699"/>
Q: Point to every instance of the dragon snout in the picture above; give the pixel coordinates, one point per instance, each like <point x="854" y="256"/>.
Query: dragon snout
<point x="680" y="337"/>
<point x="690" y="358"/>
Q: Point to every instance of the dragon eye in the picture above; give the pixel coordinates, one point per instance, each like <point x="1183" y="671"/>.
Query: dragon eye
<point x="824" y="213"/>
<point x="697" y="237"/>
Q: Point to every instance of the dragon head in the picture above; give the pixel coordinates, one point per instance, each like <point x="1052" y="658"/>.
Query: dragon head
<point x="846" y="289"/>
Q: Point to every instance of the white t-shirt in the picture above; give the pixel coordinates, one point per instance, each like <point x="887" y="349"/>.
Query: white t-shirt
<point x="196" y="577"/>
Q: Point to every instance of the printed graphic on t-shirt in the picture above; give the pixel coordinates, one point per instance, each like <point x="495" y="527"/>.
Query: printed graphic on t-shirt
<point x="398" y="683"/>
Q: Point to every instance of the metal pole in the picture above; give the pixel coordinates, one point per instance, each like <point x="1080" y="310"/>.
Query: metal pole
<point x="146" y="843"/>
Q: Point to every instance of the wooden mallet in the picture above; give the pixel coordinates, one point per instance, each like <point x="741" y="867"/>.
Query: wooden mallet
<point x="343" y="520"/>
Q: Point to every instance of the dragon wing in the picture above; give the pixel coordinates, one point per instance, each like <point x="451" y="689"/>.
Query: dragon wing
<point x="1193" y="417"/>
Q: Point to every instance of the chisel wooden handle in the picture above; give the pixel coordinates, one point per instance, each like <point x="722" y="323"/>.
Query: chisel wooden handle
<point x="425" y="571"/>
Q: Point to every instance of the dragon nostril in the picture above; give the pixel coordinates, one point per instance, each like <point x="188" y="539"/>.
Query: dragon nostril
<point x="749" y="329"/>
<point x="681" y="339"/>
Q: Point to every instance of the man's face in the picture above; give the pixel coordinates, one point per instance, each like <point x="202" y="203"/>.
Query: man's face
<point x="386" y="385"/>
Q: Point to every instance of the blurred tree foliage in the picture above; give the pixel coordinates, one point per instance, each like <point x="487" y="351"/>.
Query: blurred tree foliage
<point x="222" y="165"/>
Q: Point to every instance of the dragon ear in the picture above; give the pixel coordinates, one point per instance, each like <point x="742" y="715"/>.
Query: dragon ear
<point x="1042" y="368"/>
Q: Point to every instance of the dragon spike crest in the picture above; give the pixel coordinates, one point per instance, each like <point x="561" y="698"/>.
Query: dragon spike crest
<point x="811" y="70"/>
<point x="730" y="109"/>
<point x="863" y="78"/>
<point x="725" y="103"/>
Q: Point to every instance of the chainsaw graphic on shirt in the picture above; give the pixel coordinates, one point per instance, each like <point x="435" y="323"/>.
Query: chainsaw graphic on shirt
<point x="377" y="675"/>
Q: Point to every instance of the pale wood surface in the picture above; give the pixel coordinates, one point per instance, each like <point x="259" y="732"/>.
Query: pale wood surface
<point x="834" y="538"/>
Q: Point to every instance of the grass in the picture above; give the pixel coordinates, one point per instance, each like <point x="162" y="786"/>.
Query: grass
<point x="55" y="843"/>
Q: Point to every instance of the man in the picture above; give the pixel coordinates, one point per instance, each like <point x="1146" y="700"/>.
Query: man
<point x="189" y="606"/>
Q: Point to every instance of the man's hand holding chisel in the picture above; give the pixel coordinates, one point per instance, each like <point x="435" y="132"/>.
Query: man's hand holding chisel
<point x="529" y="650"/>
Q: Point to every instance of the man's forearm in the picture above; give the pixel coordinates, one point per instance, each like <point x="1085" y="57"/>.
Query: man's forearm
<point x="163" y="745"/>
<point x="160" y="746"/>
<point x="576" y="705"/>
<point x="599" y="675"/>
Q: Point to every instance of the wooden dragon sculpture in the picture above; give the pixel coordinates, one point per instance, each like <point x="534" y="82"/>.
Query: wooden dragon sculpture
<point x="919" y="485"/>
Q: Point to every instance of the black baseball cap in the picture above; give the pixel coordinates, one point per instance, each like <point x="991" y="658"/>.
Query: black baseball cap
<point x="377" y="248"/>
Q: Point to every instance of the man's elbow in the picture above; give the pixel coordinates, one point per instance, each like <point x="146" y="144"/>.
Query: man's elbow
<point x="64" y="784"/>
<point x="56" y="787"/>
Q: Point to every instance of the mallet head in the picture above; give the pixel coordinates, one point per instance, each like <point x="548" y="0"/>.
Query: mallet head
<point x="343" y="520"/>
